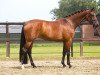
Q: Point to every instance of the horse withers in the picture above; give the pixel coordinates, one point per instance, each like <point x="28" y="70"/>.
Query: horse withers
<point x="60" y="30"/>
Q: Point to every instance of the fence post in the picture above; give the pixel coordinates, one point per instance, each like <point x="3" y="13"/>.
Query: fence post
<point x="81" y="48"/>
<point x="72" y="49"/>
<point x="7" y="41"/>
<point x="81" y="42"/>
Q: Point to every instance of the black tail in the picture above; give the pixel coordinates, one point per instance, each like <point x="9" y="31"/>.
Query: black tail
<point x="22" y="54"/>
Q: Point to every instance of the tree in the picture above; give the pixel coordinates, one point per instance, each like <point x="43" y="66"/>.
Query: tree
<point x="67" y="7"/>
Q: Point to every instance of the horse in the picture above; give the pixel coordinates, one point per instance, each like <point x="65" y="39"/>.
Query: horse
<point x="62" y="29"/>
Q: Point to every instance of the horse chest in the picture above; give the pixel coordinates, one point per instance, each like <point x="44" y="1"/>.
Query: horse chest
<point x="68" y="33"/>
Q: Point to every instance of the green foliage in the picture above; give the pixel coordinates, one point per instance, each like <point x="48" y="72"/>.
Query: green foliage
<point x="67" y="7"/>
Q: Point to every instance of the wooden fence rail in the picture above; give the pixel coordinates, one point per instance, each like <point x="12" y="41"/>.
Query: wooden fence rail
<point x="81" y="40"/>
<point x="8" y="35"/>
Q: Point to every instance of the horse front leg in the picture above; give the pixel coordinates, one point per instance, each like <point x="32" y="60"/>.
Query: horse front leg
<point x="68" y="58"/>
<point x="63" y="55"/>
<point x="67" y="45"/>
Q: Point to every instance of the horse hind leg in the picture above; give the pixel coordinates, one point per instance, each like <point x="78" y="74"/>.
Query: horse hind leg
<point x="30" y="56"/>
<point x="24" y="58"/>
<point x="31" y="60"/>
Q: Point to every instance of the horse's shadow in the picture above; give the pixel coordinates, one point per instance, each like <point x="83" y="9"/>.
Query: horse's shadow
<point x="30" y="67"/>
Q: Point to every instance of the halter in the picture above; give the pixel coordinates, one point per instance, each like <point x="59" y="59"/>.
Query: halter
<point x="95" y="27"/>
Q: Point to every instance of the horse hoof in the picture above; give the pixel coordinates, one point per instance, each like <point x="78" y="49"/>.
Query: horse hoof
<point x="34" y="67"/>
<point x="22" y="67"/>
<point x="70" y="66"/>
<point x="64" y="65"/>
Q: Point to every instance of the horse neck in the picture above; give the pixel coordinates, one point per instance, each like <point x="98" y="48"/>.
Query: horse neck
<point x="77" y="18"/>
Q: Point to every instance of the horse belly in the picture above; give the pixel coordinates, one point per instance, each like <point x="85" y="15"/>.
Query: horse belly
<point x="49" y="38"/>
<point x="51" y="31"/>
<point x="52" y="35"/>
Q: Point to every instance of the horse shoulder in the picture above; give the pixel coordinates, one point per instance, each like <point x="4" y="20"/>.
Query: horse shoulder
<point x="68" y="32"/>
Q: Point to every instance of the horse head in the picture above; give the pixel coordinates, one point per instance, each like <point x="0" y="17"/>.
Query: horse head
<point x="91" y="17"/>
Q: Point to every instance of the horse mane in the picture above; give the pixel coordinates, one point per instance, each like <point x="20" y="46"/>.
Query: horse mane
<point x="77" y="12"/>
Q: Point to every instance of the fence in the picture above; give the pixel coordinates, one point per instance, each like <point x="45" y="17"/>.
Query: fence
<point x="8" y="36"/>
<point x="81" y="40"/>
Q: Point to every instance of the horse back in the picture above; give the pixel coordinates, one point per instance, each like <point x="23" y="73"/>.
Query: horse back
<point x="48" y="30"/>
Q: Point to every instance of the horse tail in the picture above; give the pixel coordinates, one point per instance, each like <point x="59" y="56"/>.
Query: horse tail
<point x="23" y="54"/>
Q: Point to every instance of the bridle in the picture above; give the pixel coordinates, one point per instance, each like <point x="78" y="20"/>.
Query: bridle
<point x="95" y="27"/>
<point x="93" y="22"/>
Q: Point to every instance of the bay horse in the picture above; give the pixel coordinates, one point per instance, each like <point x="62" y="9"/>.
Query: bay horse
<point x="60" y="30"/>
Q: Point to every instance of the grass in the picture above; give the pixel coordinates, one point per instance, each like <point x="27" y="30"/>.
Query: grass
<point x="45" y="51"/>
